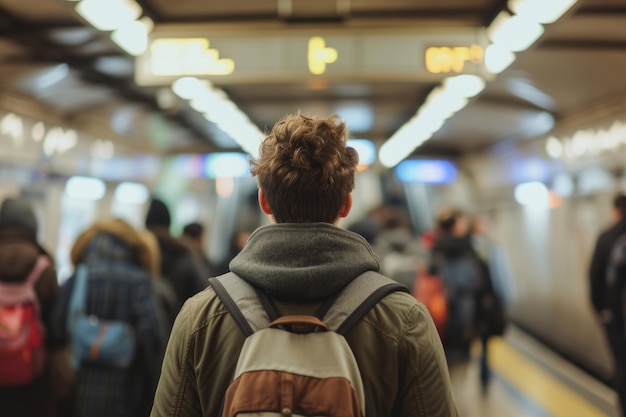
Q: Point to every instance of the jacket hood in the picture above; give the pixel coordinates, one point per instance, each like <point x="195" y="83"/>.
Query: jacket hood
<point x="303" y="262"/>
<point x="18" y="255"/>
<point x="111" y="240"/>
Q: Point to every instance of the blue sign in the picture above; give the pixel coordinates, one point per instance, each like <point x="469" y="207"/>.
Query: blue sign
<point x="429" y="171"/>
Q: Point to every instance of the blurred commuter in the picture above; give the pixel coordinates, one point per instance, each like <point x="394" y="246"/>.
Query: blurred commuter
<point x="178" y="265"/>
<point x="22" y="257"/>
<point x="306" y="176"/>
<point x="397" y="247"/>
<point x="601" y="296"/>
<point x="118" y="287"/>
<point x="237" y="242"/>
<point x="165" y="296"/>
<point x="193" y="235"/>
<point x="367" y="227"/>
<point x="490" y="309"/>
<point x="455" y="261"/>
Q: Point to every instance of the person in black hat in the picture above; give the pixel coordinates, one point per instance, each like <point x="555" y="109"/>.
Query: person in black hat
<point x="19" y="257"/>
<point x="178" y="265"/>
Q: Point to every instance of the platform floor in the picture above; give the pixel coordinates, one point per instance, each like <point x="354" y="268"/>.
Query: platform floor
<point x="528" y="381"/>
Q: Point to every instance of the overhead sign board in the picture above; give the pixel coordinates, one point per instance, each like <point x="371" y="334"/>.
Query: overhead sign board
<point x="294" y="55"/>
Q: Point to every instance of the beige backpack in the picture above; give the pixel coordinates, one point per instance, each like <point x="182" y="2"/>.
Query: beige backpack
<point x="298" y="365"/>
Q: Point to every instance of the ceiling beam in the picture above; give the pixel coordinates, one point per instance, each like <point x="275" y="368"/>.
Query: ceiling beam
<point x="43" y="49"/>
<point x="611" y="11"/>
<point x="418" y="15"/>
<point x="584" y="45"/>
<point x="150" y="11"/>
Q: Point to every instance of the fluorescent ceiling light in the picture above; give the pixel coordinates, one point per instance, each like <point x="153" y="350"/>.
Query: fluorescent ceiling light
<point x="464" y="85"/>
<point x="220" y="110"/>
<point x="109" y="15"/>
<point x="498" y="58"/>
<point x="402" y="143"/>
<point x="541" y="11"/>
<point x="133" y="37"/>
<point x="188" y="88"/>
<point x="442" y="103"/>
<point x="514" y="33"/>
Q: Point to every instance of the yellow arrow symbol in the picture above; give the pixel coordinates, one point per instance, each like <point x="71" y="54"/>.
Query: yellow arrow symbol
<point x="320" y="55"/>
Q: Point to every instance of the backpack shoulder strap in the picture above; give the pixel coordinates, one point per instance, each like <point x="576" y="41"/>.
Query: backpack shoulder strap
<point x="78" y="298"/>
<point x="19" y="292"/>
<point x="42" y="263"/>
<point x="356" y="299"/>
<point x="241" y="301"/>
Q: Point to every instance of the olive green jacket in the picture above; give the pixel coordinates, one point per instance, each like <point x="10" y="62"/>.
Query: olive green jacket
<point x="396" y="345"/>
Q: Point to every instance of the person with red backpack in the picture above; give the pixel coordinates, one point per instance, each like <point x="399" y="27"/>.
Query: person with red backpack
<point x="28" y="290"/>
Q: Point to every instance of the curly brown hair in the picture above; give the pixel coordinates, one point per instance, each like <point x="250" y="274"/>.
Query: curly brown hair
<point x="305" y="169"/>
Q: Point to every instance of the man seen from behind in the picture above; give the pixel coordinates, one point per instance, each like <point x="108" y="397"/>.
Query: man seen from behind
<point x="306" y="175"/>
<point x="612" y="321"/>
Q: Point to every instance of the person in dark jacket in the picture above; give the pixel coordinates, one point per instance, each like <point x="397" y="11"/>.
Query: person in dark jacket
<point x="306" y="176"/>
<point x="178" y="264"/>
<point x="193" y="236"/>
<point x="119" y="288"/>
<point x="19" y="252"/>
<point x="598" y="271"/>
<point x="455" y="262"/>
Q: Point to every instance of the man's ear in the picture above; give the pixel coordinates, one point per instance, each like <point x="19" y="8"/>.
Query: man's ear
<point x="347" y="206"/>
<point x="264" y="204"/>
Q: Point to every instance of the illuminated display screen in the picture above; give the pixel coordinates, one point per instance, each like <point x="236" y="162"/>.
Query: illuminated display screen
<point x="426" y="171"/>
<point x="446" y="59"/>
<point x="214" y="165"/>
<point x="227" y="164"/>
<point x="289" y="55"/>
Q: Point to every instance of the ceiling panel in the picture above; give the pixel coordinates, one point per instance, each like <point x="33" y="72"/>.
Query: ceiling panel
<point x="45" y="10"/>
<point x="575" y="78"/>
<point x="579" y="61"/>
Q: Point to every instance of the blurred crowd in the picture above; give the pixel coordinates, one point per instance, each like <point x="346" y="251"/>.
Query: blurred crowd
<point x="99" y="339"/>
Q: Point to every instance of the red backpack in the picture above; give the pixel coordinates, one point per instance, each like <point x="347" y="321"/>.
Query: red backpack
<point x="22" y="350"/>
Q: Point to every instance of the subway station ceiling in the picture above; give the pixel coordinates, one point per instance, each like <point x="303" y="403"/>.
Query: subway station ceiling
<point x="51" y="54"/>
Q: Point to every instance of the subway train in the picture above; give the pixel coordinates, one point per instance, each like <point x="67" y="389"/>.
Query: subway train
<point x="443" y="112"/>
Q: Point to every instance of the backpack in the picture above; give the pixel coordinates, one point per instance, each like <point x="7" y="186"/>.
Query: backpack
<point x="96" y="340"/>
<point x="22" y="333"/>
<point x="298" y="365"/>
<point x="462" y="279"/>
<point x="428" y="289"/>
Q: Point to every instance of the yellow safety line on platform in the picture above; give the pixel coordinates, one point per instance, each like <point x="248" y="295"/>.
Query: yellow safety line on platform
<point x="537" y="384"/>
